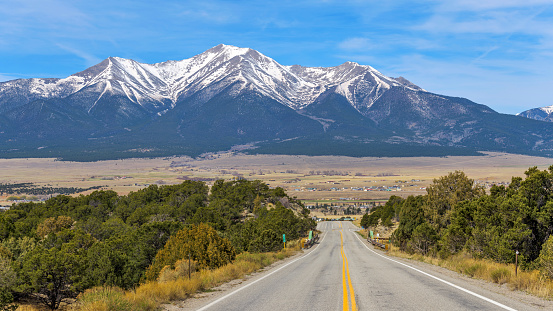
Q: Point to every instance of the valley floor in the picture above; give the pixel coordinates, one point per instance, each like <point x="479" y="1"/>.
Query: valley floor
<point x="306" y="177"/>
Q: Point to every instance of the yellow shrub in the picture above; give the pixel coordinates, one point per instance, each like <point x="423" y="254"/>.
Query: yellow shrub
<point x="173" y="284"/>
<point x="201" y="242"/>
<point x="181" y="271"/>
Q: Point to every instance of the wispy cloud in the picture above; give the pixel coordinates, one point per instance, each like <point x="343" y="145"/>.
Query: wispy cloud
<point x="30" y="24"/>
<point x="212" y="16"/>
<point x="215" y="12"/>
<point x="488" y="51"/>
<point x="355" y="44"/>
<point x="453" y="47"/>
<point x="7" y="77"/>
<point x="478" y="5"/>
<point x="506" y="29"/>
<point x="491" y="23"/>
<point x="489" y="17"/>
<point x="507" y="86"/>
<point x="274" y="22"/>
<point x="43" y="15"/>
<point x="88" y="58"/>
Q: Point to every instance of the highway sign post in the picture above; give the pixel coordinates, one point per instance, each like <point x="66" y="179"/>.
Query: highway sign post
<point x="516" y="262"/>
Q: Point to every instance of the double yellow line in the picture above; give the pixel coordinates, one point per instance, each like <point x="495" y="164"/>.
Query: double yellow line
<point x="345" y="271"/>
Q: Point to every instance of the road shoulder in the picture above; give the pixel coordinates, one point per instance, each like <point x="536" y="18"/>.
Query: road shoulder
<point x="472" y="284"/>
<point x="201" y="299"/>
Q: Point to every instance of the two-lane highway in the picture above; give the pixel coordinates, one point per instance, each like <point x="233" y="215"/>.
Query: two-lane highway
<point x="343" y="273"/>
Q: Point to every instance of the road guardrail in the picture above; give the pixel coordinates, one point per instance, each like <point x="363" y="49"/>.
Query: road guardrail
<point x="307" y="243"/>
<point x="375" y="242"/>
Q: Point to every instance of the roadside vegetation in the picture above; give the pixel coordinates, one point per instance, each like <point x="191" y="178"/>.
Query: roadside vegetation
<point x="174" y="284"/>
<point x="459" y="226"/>
<point x="104" y="245"/>
<point x="531" y="281"/>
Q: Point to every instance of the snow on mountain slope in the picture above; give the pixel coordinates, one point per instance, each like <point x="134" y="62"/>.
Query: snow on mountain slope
<point x="294" y="86"/>
<point x="229" y="95"/>
<point x="548" y="109"/>
<point x="158" y="87"/>
<point x="541" y="114"/>
<point x="17" y="93"/>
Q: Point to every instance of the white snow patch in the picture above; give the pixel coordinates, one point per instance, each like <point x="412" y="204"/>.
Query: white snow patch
<point x="215" y="69"/>
<point x="548" y="109"/>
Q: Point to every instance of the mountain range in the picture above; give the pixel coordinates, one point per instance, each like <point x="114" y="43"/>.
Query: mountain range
<point x="542" y="114"/>
<point x="237" y="98"/>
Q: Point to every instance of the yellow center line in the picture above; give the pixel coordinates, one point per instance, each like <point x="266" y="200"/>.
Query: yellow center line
<point x="351" y="291"/>
<point x="345" y="269"/>
<point x="344" y="287"/>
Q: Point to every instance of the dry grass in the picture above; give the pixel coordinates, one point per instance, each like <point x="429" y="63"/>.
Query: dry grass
<point x="151" y="295"/>
<point x="32" y="304"/>
<point x="532" y="282"/>
<point x="104" y="299"/>
<point x="363" y="233"/>
<point x="276" y="170"/>
<point x="181" y="270"/>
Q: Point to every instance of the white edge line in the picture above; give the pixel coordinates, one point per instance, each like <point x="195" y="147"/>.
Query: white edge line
<point x="248" y="285"/>
<point x="443" y="281"/>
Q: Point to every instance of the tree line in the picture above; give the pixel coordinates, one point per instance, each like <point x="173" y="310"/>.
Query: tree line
<point x="456" y="215"/>
<point x="31" y="189"/>
<point x="57" y="249"/>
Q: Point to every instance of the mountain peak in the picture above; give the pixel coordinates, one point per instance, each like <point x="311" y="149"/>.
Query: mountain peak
<point x="94" y="70"/>
<point x="229" y="50"/>
<point x="351" y="64"/>
<point x="541" y="114"/>
<point x="223" y="65"/>
<point x="155" y="86"/>
<point x="230" y="95"/>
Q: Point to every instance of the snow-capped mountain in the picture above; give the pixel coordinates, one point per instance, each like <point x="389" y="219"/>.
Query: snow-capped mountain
<point x="541" y="114"/>
<point x="158" y="87"/>
<point x="229" y="96"/>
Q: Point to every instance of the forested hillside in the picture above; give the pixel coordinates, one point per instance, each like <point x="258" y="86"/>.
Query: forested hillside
<point x="456" y="216"/>
<point x="56" y="249"/>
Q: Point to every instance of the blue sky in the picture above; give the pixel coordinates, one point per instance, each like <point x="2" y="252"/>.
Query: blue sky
<point x="494" y="52"/>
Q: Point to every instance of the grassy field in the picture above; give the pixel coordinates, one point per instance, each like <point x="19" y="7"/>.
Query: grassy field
<point x="308" y="178"/>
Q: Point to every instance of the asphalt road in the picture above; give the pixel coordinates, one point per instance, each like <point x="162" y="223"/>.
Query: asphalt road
<point x="343" y="273"/>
